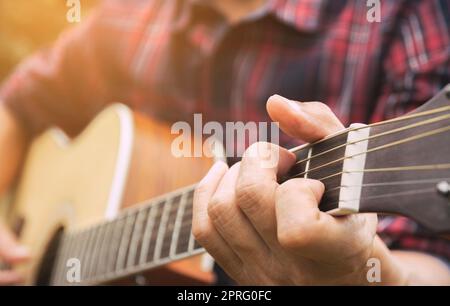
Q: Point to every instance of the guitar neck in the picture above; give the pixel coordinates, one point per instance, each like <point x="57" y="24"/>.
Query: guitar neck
<point x="392" y="167"/>
<point x="140" y="238"/>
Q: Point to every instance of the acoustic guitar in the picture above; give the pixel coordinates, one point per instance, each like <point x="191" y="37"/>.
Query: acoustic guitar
<point x="77" y="199"/>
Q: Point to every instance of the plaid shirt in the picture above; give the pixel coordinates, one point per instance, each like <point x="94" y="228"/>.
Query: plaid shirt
<point x="172" y="58"/>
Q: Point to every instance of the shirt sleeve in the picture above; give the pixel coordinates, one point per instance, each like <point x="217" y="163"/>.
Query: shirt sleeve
<point x="416" y="64"/>
<point x="67" y="84"/>
<point x="416" y="67"/>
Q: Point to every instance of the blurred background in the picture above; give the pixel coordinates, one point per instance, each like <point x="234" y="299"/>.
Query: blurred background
<point x="27" y="25"/>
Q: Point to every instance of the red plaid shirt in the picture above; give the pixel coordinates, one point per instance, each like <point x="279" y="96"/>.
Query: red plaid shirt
<point x="173" y="58"/>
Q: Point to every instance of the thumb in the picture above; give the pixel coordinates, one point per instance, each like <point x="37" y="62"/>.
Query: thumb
<point x="308" y="121"/>
<point x="10" y="250"/>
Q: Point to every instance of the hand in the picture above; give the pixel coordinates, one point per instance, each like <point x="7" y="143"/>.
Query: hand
<point x="11" y="253"/>
<point x="262" y="232"/>
<point x="13" y="142"/>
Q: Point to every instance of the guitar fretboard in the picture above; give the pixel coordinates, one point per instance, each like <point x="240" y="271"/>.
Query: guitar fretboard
<point x="139" y="239"/>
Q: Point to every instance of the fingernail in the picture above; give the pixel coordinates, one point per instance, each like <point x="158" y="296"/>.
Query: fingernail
<point x="218" y="165"/>
<point x="215" y="170"/>
<point x="317" y="187"/>
<point x="293" y="105"/>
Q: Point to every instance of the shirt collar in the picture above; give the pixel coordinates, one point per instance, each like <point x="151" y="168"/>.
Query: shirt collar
<point x="303" y="15"/>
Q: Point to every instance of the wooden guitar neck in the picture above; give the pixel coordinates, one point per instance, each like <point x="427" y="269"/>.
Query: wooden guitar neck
<point x="400" y="166"/>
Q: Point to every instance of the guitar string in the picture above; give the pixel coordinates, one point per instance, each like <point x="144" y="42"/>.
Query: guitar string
<point x="376" y="124"/>
<point x="409" y="192"/>
<point x="187" y="222"/>
<point x="391" y="144"/>
<point x="381" y="147"/>
<point x="441" y="109"/>
<point x="430" y="133"/>
<point x="393" y="183"/>
<point x="188" y="208"/>
<point x="406" y="168"/>
<point x="153" y="241"/>
<point x="421" y="123"/>
<point x="167" y="248"/>
<point x="81" y="233"/>
<point x="390" y="184"/>
<point x="411" y="168"/>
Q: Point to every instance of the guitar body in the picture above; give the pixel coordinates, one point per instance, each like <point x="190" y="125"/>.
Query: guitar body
<point x="120" y="159"/>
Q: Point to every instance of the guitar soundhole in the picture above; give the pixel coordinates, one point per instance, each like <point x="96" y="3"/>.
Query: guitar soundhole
<point x="47" y="264"/>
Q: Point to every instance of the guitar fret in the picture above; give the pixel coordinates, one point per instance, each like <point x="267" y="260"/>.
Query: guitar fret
<point x="139" y="239"/>
<point x="102" y="264"/>
<point x="97" y="245"/>
<point x="74" y="252"/>
<point x="186" y="225"/>
<point x="170" y="226"/>
<point x="136" y="235"/>
<point x="178" y="222"/>
<point x="114" y="245"/>
<point x="78" y="248"/>
<point x="86" y="263"/>
<point x="60" y="261"/>
<point x="162" y="229"/>
<point x="148" y="233"/>
<point x="308" y="162"/>
<point x="89" y="257"/>
<point x="84" y="249"/>
<point x="191" y="243"/>
<point x="124" y="242"/>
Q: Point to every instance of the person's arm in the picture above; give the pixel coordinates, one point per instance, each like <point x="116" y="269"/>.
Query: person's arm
<point x="13" y="143"/>
<point x="65" y="85"/>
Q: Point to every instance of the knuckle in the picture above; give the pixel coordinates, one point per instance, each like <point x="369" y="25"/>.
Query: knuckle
<point x="201" y="232"/>
<point x="200" y="189"/>
<point x="248" y="192"/>
<point x="297" y="185"/>
<point x="320" y="106"/>
<point x="260" y="150"/>
<point x="217" y="207"/>
<point x="294" y="240"/>
<point x="288" y="185"/>
<point x="287" y="239"/>
<point x="300" y="234"/>
<point x="258" y="146"/>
